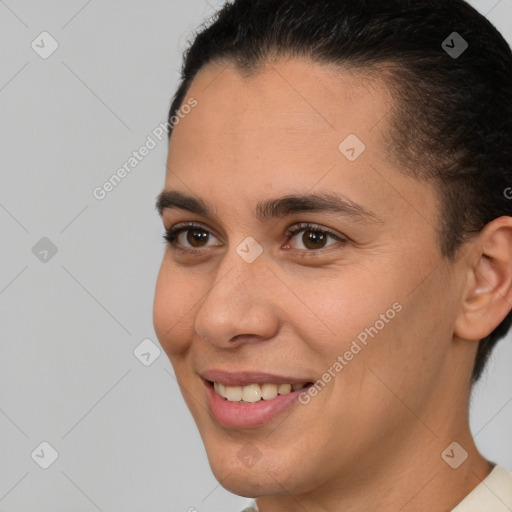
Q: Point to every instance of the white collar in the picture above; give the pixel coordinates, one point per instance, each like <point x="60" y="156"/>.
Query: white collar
<point x="492" y="494"/>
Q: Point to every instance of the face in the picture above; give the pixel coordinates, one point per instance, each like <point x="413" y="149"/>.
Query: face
<point x="356" y="300"/>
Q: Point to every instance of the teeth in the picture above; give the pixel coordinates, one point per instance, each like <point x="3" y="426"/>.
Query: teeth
<point x="220" y="388"/>
<point x="251" y="393"/>
<point x="268" y="391"/>
<point x="254" y="392"/>
<point x="284" y="389"/>
<point x="233" y="393"/>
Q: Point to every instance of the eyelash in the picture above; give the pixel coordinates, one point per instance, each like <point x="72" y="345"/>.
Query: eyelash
<point x="170" y="236"/>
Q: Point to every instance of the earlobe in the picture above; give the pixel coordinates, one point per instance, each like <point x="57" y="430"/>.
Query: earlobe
<point x="488" y="296"/>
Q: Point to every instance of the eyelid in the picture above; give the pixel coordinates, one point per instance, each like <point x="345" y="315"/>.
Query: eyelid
<point x="311" y="226"/>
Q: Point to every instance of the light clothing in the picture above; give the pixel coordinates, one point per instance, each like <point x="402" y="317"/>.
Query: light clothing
<point x="492" y="494"/>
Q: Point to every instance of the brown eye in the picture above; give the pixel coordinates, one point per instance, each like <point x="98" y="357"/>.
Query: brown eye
<point x="195" y="237"/>
<point x="313" y="238"/>
<point x="187" y="237"/>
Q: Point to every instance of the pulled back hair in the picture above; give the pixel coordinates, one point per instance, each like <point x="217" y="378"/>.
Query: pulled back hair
<point x="451" y="122"/>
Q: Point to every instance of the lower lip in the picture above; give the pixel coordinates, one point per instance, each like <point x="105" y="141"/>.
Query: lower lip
<point x="244" y="415"/>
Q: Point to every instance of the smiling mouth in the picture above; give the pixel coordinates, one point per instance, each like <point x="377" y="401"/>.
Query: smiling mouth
<point x="253" y="393"/>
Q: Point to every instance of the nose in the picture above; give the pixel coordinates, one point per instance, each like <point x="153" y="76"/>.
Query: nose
<point x="240" y="305"/>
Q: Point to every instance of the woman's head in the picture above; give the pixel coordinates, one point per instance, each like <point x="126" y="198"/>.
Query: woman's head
<point x="342" y="170"/>
<point x="452" y="117"/>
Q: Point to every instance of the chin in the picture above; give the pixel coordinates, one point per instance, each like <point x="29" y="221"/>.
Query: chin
<point x="243" y="471"/>
<point x="248" y="485"/>
<point x="239" y="479"/>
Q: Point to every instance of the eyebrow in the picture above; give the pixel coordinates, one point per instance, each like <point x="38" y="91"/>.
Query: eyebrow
<point x="272" y="208"/>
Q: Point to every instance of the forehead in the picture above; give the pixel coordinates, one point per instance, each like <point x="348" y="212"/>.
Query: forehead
<point x="276" y="109"/>
<point x="290" y="115"/>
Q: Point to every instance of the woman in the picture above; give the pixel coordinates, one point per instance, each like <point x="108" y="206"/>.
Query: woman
<point x="339" y="250"/>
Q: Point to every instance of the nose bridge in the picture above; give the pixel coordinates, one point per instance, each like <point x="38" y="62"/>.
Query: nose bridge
<point x="238" y="302"/>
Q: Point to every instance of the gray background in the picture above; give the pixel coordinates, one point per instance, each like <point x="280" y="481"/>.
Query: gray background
<point x="69" y="325"/>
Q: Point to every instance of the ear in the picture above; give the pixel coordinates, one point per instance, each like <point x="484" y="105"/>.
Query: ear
<point x="487" y="298"/>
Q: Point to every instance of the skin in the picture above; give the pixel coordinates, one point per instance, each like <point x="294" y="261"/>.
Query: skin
<point x="372" y="438"/>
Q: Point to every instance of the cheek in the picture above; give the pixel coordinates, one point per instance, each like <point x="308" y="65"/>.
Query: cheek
<point x="349" y="305"/>
<point x="369" y="317"/>
<point x="407" y="355"/>
<point x="172" y="311"/>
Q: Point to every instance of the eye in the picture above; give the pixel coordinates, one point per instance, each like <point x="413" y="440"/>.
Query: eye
<point x="192" y="237"/>
<point x="192" y="234"/>
<point x="314" y="237"/>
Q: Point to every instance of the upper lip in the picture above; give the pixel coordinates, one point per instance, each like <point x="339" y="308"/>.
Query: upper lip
<point x="246" y="378"/>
